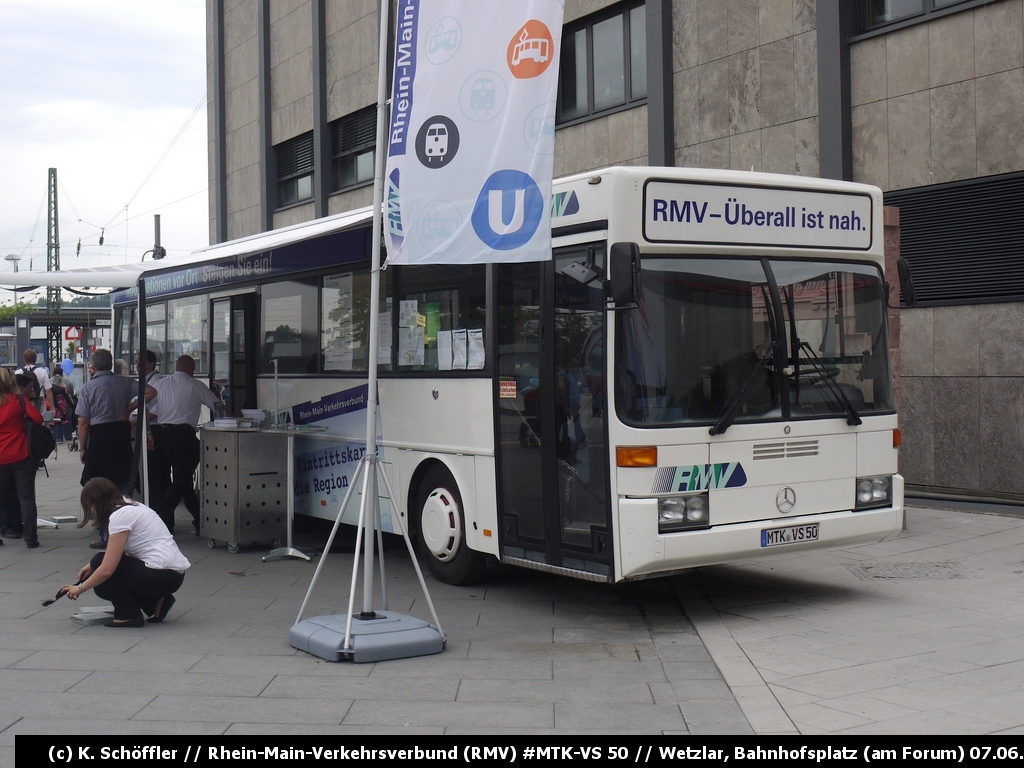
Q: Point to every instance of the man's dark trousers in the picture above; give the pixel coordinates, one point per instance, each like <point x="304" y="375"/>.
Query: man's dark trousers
<point x="181" y="447"/>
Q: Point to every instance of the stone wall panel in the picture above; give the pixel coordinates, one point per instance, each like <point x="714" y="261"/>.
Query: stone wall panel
<point x="953" y="133"/>
<point x="998" y="38"/>
<point x="951" y="49"/>
<point x="957" y="437"/>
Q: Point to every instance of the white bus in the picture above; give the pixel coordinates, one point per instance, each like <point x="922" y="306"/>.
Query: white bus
<point x="699" y="374"/>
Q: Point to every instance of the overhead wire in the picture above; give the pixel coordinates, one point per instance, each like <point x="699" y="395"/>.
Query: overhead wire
<point x="25" y="248"/>
<point x="158" y="208"/>
<point x="67" y="196"/>
<point x="170" y="146"/>
<point x="35" y="226"/>
<point x="127" y="218"/>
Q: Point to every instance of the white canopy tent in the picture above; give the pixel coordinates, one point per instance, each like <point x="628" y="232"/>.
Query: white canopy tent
<point x="134" y="275"/>
<point x="128" y="275"/>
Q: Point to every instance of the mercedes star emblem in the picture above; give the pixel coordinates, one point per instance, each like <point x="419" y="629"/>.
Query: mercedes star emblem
<point x="785" y="500"/>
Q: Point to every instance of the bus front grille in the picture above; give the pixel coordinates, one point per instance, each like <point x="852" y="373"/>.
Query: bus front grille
<point x="792" y="449"/>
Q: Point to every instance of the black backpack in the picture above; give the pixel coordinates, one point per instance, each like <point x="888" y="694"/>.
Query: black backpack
<point x="40" y="439"/>
<point x="30" y="370"/>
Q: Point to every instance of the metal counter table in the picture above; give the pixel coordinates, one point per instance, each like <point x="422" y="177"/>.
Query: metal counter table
<point x="243" y="487"/>
<point x="246" y="497"/>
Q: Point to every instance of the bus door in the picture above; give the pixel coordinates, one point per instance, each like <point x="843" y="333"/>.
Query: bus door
<point x="552" y="455"/>
<point x="234" y="342"/>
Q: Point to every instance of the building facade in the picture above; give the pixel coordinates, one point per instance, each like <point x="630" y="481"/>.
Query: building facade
<point x="924" y="98"/>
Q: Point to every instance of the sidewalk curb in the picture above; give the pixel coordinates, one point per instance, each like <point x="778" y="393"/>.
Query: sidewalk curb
<point x="762" y="710"/>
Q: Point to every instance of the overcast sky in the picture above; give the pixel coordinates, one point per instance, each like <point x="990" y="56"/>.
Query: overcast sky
<point x="99" y="90"/>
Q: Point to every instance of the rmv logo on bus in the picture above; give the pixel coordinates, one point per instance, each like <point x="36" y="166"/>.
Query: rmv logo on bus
<point x="698" y="478"/>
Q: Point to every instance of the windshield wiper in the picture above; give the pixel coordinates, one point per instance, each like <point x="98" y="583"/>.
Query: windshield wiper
<point x="852" y="417"/>
<point x="741" y="396"/>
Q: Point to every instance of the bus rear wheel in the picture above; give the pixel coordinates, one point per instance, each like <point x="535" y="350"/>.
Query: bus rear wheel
<point x="442" y="530"/>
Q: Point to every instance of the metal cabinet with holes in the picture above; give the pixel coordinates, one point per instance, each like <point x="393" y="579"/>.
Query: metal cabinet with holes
<point x="244" y="487"/>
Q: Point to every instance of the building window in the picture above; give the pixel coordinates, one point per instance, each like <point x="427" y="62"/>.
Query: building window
<point x="352" y="148"/>
<point x="603" y="64"/>
<point x="294" y="170"/>
<point x="878" y="13"/>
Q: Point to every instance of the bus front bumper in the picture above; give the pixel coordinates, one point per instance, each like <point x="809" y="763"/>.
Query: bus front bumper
<point x="644" y="551"/>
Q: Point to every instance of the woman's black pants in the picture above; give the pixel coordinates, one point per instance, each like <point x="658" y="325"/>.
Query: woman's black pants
<point x="134" y="587"/>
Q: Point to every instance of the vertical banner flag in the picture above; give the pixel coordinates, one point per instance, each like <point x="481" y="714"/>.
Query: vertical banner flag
<point x="471" y="143"/>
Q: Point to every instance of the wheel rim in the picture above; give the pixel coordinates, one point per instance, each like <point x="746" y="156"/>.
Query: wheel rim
<point x="441" y="524"/>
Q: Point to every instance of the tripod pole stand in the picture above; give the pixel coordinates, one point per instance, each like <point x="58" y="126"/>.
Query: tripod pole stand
<point x="369" y="635"/>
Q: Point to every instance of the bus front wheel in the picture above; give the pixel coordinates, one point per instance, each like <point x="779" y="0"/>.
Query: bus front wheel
<point x="442" y="530"/>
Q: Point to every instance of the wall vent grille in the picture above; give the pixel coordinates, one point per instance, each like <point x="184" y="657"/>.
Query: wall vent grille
<point x="964" y="241"/>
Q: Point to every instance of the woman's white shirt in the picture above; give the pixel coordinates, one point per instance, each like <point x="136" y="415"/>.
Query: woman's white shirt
<point x="148" y="538"/>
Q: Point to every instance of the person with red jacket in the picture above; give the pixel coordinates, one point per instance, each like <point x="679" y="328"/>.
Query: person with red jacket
<point x="16" y="465"/>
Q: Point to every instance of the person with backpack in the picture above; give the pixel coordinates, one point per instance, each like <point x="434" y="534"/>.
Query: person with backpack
<point x="43" y="388"/>
<point x="62" y="411"/>
<point x="16" y="463"/>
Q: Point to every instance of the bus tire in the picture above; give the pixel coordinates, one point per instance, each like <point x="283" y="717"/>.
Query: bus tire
<point x="442" y="530"/>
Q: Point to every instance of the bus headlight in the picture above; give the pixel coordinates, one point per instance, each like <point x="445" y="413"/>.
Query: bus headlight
<point x="683" y="513"/>
<point x="874" y="492"/>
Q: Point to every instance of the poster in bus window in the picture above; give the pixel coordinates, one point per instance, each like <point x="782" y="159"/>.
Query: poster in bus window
<point x="470" y="145"/>
<point x="338" y="323"/>
<point x="324" y="465"/>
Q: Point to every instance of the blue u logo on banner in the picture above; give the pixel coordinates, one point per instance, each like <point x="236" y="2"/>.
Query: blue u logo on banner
<point x="508" y="210"/>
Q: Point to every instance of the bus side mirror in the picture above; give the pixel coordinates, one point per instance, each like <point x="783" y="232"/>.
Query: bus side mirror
<point x="906" y="282"/>
<point x="623" y="272"/>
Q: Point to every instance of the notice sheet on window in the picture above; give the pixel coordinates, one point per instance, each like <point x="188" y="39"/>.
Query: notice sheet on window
<point x="444" y="350"/>
<point x="384" y="337"/>
<point x="459" y="349"/>
<point x="410" y="345"/>
<point x="408" y="313"/>
<point x="476" y="349"/>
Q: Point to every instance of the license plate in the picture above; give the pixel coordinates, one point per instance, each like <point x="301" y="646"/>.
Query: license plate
<point x="773" y="537"/>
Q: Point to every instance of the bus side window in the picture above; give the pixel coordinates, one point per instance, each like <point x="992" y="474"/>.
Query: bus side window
<point x="441" y="317"/>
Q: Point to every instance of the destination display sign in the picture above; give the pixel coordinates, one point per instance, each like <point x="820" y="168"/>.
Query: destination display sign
<point x="726" y="214"/>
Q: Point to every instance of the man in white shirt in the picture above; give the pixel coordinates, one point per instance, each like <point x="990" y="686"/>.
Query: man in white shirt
<point x="42" y="376"/>
<point x="180" y="399"/>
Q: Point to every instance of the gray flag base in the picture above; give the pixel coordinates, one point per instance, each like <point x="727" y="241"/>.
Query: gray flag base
<point x="369" y="635"/>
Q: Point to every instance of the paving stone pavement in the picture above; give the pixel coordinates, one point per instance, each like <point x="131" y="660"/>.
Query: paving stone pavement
<point x="924" y="634"/>
<point x="920" y="634"/>
<point x="527" y="652"/>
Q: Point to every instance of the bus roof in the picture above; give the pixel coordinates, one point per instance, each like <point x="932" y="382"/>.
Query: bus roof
<point x="127" y="275"/>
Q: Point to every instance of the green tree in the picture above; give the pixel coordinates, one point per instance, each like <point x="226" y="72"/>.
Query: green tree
<point x="8" y="311"/>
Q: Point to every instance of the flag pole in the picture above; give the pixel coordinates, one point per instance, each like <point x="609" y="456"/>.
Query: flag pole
<point x="372" y="641"/>
<point x="380" y="161"/>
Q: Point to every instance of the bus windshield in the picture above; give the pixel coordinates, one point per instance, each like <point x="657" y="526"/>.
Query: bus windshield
<point x="705" y="341"/>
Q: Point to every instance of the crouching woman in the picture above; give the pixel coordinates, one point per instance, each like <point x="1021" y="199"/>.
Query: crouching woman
<point x="142" y="567"/>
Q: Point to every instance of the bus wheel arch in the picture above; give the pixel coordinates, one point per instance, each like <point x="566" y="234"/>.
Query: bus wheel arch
<point x="438" y="522"/>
